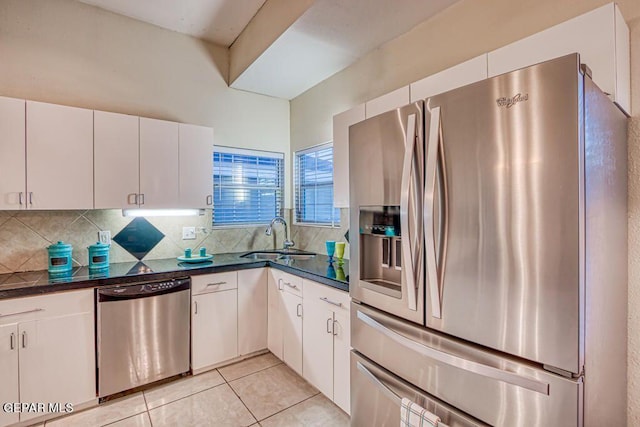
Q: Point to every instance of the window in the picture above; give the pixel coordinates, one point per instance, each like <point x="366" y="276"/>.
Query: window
<point x="314" y="186"/>
<point x="248" y="186"/>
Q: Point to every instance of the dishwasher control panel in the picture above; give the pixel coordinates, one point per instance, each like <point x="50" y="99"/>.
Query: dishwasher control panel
<point x="140" y="290"/>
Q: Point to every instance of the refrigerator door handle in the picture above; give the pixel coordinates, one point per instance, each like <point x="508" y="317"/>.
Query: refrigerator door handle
<point x="456" y="361"/>
<point x="383" y="388"/>
<point x="431" y="156"/>
<point x="408" y="240"/>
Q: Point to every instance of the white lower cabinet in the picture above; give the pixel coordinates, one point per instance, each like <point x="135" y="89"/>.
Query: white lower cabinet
<point x="326" y="338"/>
<point x="9" y="385"/>
<point x="292" y="331"/>
<point x="285" y="318"/>
<point x="252" y="310"/>
<point x="47" y="351"/>
<point x="274" y="318"/>
<point x="214" y="319"/>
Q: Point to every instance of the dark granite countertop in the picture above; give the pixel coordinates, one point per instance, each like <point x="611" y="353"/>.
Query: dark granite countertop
<point x="31" y="283"/>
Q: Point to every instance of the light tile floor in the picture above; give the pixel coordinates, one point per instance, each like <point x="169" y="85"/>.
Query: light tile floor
<point x="261" y="391"/>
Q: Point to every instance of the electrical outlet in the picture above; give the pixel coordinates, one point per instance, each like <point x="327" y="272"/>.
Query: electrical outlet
<point x="188" y="233"/>
<point x="104" y="236"/>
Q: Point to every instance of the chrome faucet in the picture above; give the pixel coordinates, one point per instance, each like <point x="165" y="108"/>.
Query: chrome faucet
<point x="287" y="243"/>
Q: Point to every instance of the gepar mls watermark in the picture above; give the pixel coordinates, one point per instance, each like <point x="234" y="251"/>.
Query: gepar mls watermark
<point x="37" y="407"/>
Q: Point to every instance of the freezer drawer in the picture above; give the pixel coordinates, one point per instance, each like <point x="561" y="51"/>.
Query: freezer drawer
<point x="376" y="395"/>
<point x="487" y="385"/>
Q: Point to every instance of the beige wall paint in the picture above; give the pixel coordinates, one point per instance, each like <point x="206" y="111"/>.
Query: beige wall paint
<point x="66" y="52"/>
<point x="461" y="32"/>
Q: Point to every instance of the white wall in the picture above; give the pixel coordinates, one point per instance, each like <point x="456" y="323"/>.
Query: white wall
<point x="66" y="52"/>
<point x="463" y="31"/>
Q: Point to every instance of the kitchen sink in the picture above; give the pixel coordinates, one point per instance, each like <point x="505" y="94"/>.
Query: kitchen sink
<point x="260" y="255"/>
<point x="279" y="254"/>
<point x="296" y="256"/>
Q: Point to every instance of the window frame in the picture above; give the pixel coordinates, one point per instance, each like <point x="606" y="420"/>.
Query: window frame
<point x="335" y="223"/>
<point x="258" y="154"/>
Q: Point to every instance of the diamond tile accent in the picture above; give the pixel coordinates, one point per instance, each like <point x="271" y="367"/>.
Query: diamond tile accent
<point x="138" y="237"/>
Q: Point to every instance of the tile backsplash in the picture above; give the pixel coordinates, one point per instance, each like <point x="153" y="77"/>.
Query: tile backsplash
<point x="25" y="235"/>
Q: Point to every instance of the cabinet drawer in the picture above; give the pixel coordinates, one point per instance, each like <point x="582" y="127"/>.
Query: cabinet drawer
<point x="335" y="299"/>
<point x="288" y="282"/>
<point x="214" y="282"/>
<point x="38" y="307"/>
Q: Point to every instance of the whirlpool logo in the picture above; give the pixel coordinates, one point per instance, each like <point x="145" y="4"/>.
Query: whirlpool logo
<point x="510" y="102"/>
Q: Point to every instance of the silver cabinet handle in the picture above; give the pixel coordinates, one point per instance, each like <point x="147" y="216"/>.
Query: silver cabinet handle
<point x="329" y="320"/>
<point x="195" y="305"/>
<point x="216" y="284"/>
<point x="35" y="310"/>
<point x="327" y="300"/>
<point x="299" y="310"/>
<point x="12" y="341"/>
<point x="24" y="339"/>
<point x="209" y="200"/>
<point x="280" y="288"/>
<point x="290" y="285"/>
<point x="410" y="237"/>
<point x="141" y="198"/>
<point x="456" y="361"/>
<point x="429" y="203"/>
<point x="334" y="329"/>
<point x="30" y="197"/>
<point x="135" y="199"/>
<point x="20" y="194"/>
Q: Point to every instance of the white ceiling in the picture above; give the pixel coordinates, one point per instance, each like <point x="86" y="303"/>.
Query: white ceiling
<point x="328" y="37"/>
<point x="218" y="21"/>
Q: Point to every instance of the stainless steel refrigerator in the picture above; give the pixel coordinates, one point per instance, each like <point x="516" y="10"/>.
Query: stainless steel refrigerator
<point x="489" y="267"/>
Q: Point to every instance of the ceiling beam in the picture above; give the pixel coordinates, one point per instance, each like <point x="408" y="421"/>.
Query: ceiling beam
<point x="273" y="19"/>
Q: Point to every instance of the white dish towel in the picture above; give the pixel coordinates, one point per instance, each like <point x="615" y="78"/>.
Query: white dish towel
<point x="414" y="415"/>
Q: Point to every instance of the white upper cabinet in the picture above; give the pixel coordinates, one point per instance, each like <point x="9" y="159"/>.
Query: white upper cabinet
<point x="159" y="185"/>
<point x="387" y="102"/>
<point x="601" y="37"/>
<point x="468" y="72"/>
<point x="116" y="161"/>
<point x="59" y="157"/>
<point x="341" y="123"/>
<point x="196" y="166"/>
<point x="12" y="154"/>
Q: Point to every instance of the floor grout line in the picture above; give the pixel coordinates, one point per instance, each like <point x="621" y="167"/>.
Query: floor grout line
<point x="289" y="407"/>
<point x="259" y="370"/>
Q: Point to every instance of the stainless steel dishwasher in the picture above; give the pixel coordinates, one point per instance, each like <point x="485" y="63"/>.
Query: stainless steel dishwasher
<point x="142" y="333"/>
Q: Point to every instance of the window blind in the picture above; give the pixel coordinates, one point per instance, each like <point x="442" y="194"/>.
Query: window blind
<point x="248" y="186"/>
<point x="314" y="186"/>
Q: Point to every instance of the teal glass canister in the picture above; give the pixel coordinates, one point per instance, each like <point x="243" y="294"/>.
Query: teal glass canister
<point x="60" y="257"/>
<point x="99" y="256"/>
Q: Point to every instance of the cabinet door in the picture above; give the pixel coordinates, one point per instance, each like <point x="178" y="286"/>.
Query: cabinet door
<point x="8" y="370"/>
<point x="57" y="360"/>
<point x="341" y="365"/>
<point x="12" y="153"/>
<point x="59" y="157"/>
<point x="159" y="186"/>
<point x="274" y="316"/>
<point x="317" y="355"/>
<point x="196" y="166"/>
<point x="116" y="160"/>
<point x="387" y="102"/>
<point x="214" y="328"/>
<point x="601" y="37"/>
<point x="252" y="310"/>
<point x="292" y="331"/>
<point x="468" y="72"/>
<point x="341" y="123"/>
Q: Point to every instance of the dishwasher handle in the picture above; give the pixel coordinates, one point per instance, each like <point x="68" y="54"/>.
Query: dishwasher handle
<point x="142" y="290"/>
